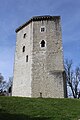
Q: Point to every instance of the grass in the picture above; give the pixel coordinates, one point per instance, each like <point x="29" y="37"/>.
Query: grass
<point x="17" y="108"/>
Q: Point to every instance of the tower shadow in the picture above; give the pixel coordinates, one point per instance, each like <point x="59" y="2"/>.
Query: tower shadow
<point x="8" y="116"/>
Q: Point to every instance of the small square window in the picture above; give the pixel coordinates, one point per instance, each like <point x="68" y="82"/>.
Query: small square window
<point x="42" y="29"/>
<point x="24" y="36"/>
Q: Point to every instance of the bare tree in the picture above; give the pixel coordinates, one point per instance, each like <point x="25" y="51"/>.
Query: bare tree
<point x="72" y="77"/>
<point x="1" y="78"/>
<point x="9" y="86"/>
<point x="3" y="84"/>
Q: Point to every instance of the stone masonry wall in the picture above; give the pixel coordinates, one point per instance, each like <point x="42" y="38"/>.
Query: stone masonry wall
<point x="42" y="75"/>
<point x="22" y="69"/>
<point x="47" y="60"/>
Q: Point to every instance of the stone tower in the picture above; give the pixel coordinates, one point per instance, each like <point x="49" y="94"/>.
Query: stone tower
<point x="38" y="68"/>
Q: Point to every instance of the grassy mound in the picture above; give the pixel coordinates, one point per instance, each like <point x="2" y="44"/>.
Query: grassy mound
<point x="17" y="108"/>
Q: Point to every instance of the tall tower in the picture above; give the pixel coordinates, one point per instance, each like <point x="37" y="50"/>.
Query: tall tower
<point x="38" y="68"/>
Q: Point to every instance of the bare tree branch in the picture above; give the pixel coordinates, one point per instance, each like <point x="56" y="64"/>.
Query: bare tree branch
<point x="72" y="77"/>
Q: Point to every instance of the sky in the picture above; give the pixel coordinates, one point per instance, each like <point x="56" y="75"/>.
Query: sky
<point x="14" y="13"/>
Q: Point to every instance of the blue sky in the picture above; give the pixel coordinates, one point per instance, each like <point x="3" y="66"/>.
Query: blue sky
<point x="14" y="13"/>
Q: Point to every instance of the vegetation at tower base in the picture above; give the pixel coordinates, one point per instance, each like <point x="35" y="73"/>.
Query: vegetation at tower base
<point x="20" y="108"/>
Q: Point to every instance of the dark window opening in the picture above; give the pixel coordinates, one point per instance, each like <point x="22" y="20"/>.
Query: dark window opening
<point x="27" y="58"/>
<point x="23" y="49"/>
<point x="40" y="94"/>
<point x="24" y="36"/>
<point x="42" y="43"/>
<point x="42" y="29"/>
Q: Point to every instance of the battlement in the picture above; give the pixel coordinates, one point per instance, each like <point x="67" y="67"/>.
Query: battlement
<point x="38" y="18"/>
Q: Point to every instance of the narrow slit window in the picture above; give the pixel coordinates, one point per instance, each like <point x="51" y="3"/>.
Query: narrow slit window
<point x="26" y="58"/>
<point x="42" y="43"/>
<point x="23" y="49"/>
<point x="24" y="36"/>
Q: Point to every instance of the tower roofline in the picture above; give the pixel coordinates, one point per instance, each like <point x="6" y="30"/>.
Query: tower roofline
<point x="37" y="18"/>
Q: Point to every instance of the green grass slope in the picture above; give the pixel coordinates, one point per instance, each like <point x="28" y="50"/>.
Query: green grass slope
<point x="17" y="108"/>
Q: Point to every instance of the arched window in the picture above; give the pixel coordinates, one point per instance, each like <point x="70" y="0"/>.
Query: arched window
<point x="23" y="49"/>
<point x="42" y="43"/>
